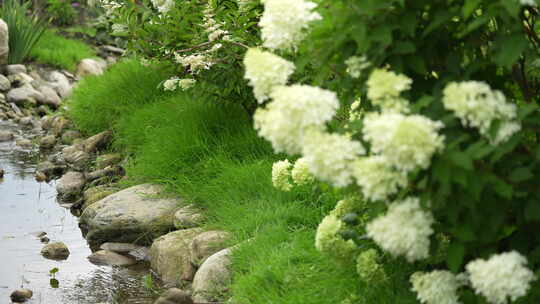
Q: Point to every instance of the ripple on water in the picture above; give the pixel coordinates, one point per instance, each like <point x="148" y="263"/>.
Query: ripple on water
<point x="27" y="207"/>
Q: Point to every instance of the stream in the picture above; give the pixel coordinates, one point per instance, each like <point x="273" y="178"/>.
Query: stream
<point x="28" y="207"/>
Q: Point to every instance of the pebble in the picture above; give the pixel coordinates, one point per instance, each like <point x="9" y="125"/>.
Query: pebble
<point x="21" y="295"/>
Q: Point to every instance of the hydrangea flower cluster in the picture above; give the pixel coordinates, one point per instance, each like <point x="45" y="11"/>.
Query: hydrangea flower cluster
<point x="384" y="90"/>
<point x="281" y="174"/>
<point x="195" y="62"/>
<point x="501" y="277"/>
<point x="356" y="64"/>
<point x="294" y="111"/>
<point x="404" y="230"/>
<point x="300" y="172"/>
<point x="174" y="83"/>
<point x="436" y="287"/>
<point x="328" y="240"/>
<point x="478" y="106"/>
<point x="330" y="156"/>
<point x="407" y="142"/>
<point x="284" y="22"/>
<point x="265" y="71"/>
<point x="369" y="268"/>
<point x="377" y="179"/>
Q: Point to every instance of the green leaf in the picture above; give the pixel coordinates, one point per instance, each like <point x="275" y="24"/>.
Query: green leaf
<point x="501" y="187"/>
<point x="532" y="211"/>
<point x="506" y="56"/>
<point x="404" y="47"/>
<point x="456" y="254"/>
<point x="512" y="7"/>
<point x="423" y="102"/>
<point x="521" y="174"/>
<point x="469" y="7"/>
<point x="478" y="22"/>
<point x="462" y="160"/>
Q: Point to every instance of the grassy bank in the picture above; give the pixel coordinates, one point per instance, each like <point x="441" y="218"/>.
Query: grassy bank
<point x="208" y="153"/>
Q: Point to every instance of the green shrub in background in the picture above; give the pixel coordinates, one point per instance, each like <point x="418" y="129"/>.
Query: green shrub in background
<point x="24" y="31"/>
<point x="61" y="52"/>
<point x="61" y="12"/>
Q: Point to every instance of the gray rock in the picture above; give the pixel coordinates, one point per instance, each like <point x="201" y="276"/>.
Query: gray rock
<point x="105" y="257"/>
<point x="188" y="217"/>
<point x="5" y="84"/>
<point x="2" y="172"/>
<point x="206" y="244"/>
<point x="6" y="136"/>
<point x="106" y="160"/>
<point x="15" y="69"/>
<point x="97" y="142"/>
<point x="16" y="109"/>
<point x="50" y="97"/>
<point x="46" y="122"/>
<point x="141" y="254"/>
<point x="25" y="95"/>
<point x="90" y="66"/>
<point x="70" y="185"/>
<point x="213" y="277"/>
<point x="60" y="83"/>
<point x="47" y="142"/>
<point x="113" y="49"/>
<point x="27" y="121"/>
<point x="70" y="135"/>
<point x="4" y="42"/>
<point x="133" y="215"/>
<point x="21" y="295"/>
<point x="24" y="143"/>
<point x="169" y="256"/>
<point x="111" y="171"/>
<point x="59" y="124"/>
<point x="77" y="159"/>
<point x="20" y="80"/>
<point x="119" y="247"/>
<point x="50" y="169"/>
<point x="174" y="296"/>
<point x="97" y="193"/>
<point x="55" y="251"/>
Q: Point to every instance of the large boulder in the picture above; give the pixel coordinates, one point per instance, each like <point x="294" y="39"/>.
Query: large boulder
<point x="70" y="185"/>
<point x="25" y="95"/>
<point x="13" y="69"/>
<point x="169" y="256"/>
<point x="213" y="278"/>
<point x="106" y="257"/>
<point x="133" y="215"/>
<point x="95" y="194"/>
<point x="60" y="83"/>
<point x="55" y="251"/>
<point x="4" y="42"/>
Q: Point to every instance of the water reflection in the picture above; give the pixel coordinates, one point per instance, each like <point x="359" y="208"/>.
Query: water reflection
<point x="27" y="207"/>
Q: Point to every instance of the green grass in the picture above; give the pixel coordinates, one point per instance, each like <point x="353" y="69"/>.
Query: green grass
<point x="209" y="154"/>
<point x="61" y="52"/>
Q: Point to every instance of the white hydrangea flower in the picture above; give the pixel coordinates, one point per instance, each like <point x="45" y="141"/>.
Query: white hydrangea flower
<point x="476" y="105"/>
<point x="407" y="142"/>
<point x="300" y="172"/>
<point x="281" y="174"/>
<point x="356" y="64"/>
<point x="355" y="112"/>
<point x="294" y="111"/>
<point x="171" y="84"/>
<point x="186" y="83"/>
<point x="501" y="277"/>
<point x="163" y="6"/>
<point x="376" y="178"/>
<point x="369" y="268"/>
<point x="330" y="157"/>
<point x="195" y="63"/>
<point x="506" y="130"/>
<point x="384" y="89"/>
<point x="404" y="230"/>
<point x="265" y="71"/>
<point x="328" y="240"/>
<point x="436" y="287"/>
<point x="283" y="22"/>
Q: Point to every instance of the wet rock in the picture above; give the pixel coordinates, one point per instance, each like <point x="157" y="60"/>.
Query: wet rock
<point x="141" y="254"/>
<point x="169" y="256"/>
<point x="70" y="185"/>
<point x="106" y="160"/>
<point x="46" y="122"/>
<point x="60" y="83"/>
<point x="2" y="172"/>
<point x="213" y="277"/>
<point x="105" y="257"/>
<point x="119" y="247"/>
<point x="59" y="124"/>
<point x="24" y="143"/>
<point x="47" y="142"/>
<point x="6" y="136"/>
<point x="50" y="169"/>
<point x="16" y="109"/>
<point x="55" y="251"/>
<point x="40" y="177"/>
<point x="50" y="97"/>
<point x="44" y="239"/>
<point x="27" y="121"/>
<point x="188" y="217"/>
<point x="174" y="296"/>
<point x="113" y="49"/>
<point x="70" y="135"/>
<point x="4" y="42"/>
<point x="39" y="234"/>
<point x="206" y="244"/>
<point x="110" y="172"/>
<point x="78" y="159"/>
<point x="21" y="295"/>
<point x="97" y="142"/>
<point x="21" y="79"/>
<point x="133" y="215"/>
<point x="94" y="194"/>
<point x="23" y="96"/>
<point x="90" y="67"/>
<point x="42" y="110"/>
<point x="12" y="69"/>
<point x="5" y="84"/>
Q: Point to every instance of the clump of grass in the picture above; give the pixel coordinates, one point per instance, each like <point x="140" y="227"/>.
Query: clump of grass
<point x="61" y="52"/>
<point x="99" y="101"/>
<point x="24" y="30"/>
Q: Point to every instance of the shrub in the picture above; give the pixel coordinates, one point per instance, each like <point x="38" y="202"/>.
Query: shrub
<point x="24" y="31"/>
<point x="61" y="12"/>
<point x="61" y="52"/>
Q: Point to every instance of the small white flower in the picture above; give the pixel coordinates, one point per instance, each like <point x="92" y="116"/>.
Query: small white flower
<point x="356" y="64"/>
<point x="503" y="276"/>
<point x="186" y="84"/>
<point x="171" y="84"/>
<point x="404" y="230"/>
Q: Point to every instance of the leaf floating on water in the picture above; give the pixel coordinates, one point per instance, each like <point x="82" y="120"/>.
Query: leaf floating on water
<point x="54" y="283"/>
